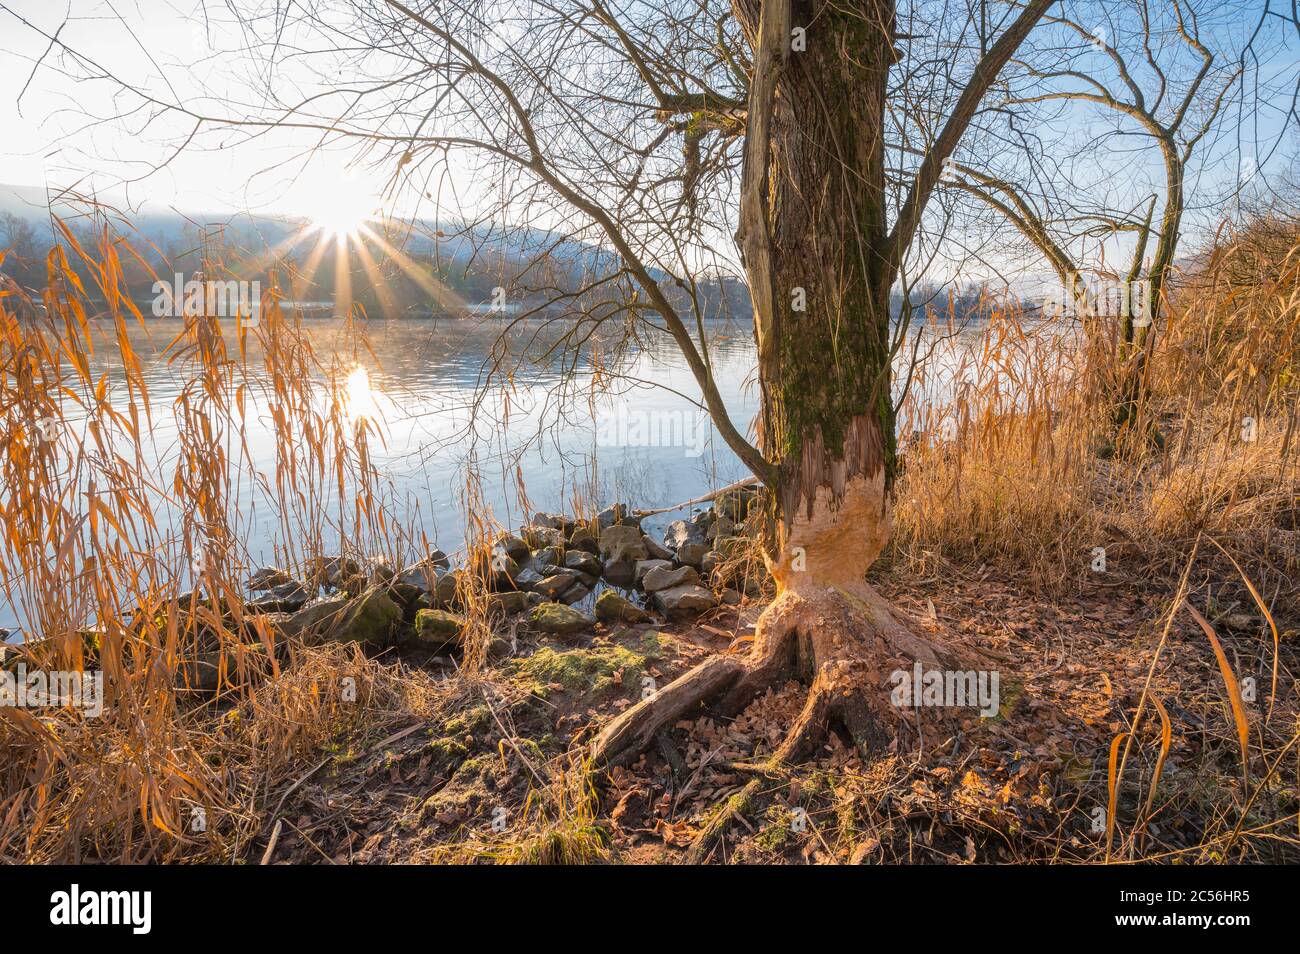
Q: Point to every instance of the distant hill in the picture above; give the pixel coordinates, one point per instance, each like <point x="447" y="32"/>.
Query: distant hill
<point x="465" y="263"/>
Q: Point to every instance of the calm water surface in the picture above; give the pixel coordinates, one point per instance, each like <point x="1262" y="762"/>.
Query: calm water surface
<point x="422" y="386"/>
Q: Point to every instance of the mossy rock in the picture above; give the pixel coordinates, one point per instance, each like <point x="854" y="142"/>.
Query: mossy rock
<point x="436" y="629"/>
<point x="372" y="619"/>
<point x="613" y="608"/>
<point x="471" y="721"/>
<point x="593" y="671"/>
<point x="559" y="620"/>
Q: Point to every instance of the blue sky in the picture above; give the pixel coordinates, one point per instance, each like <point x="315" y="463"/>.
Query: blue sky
<point x="67" y="130"/>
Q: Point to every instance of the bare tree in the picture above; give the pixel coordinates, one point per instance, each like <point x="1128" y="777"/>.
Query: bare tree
<point x="1184" y="79"/>
<point x="655" y="130"/>
<point x="20" y="249"/>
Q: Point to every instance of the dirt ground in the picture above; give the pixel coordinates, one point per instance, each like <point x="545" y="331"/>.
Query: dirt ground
<point x="497" y="774"/>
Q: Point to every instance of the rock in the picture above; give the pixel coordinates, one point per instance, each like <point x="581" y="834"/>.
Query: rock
<point x="558" y="619"/>
<point x="731" y="597"/>
<point x="645" y="566"/>
<point x="379" y="572"/>
<point x="371" y="619"/>
<point x="704" y="518"/>
<point x="722" y="527"/>
<point x="620" y="572"/>
<point x="552" y="520"/>
<point x="622" y="543"/>
<point x="656" y="549"/>
<point x="285" y="598"/>
<point x="612" y="608"/>
<point x="736" y="504"/>
<point x="551" y="587"/>
<point x="583" y="539"/>
<point x="575" y="594"/>
<point x="434" y="581"/>
<point x="336" y="572"/>
<point x="621" y="546"/>
<point x="680" y="534"/>
<point x="504" y="571"/>
<point x="410" y="598"/>
<point x="230" y="666"/>
<point x="509" y="603"/>
<point x="710" y="562"/>
<point x="549" y="556"/>
<point x="267" y="577"/>
<point x="663" y="578"/>
<point x="500" y="647"/>
<point x="424" y="575"/>
<point x="316" y="619"/>
<point x="582" y="562"/>
<point x="692" y="554"/>
<point x="254" y="627"/>
<point x="543" y="537"/>
<point x="514" y="546"/>
<point x="611" y="515"/>
<point x="436" y="630"/>
<point x="444" y="593"/>
<point x="528" y="577"/>
<point x="684" y="601"/>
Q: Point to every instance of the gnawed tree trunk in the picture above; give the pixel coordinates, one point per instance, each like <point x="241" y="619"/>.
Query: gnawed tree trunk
<point x="813" y="233"/>
<point x="824" y="353"/>
<point x="821" y="262"/>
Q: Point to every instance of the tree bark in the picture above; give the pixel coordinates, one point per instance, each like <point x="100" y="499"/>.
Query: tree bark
<point x="813" y="234"/>
<point x="827" y="419"/>
<point x="827" y="413"/>
<point x="820" y="262"/>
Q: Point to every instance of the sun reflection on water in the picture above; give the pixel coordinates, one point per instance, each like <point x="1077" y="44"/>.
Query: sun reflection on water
<point x="359" y="396"/>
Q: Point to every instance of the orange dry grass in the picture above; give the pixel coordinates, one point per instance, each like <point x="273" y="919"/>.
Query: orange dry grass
<point x="116" y="567"/>
<point x="1016" y="465"/>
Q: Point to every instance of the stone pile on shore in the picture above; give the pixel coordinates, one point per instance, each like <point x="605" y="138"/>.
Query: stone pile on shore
<point x="546" y="573"/>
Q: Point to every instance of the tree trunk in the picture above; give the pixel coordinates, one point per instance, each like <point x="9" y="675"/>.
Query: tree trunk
<point x="827" y="415"/>
<point x="813" y="233"/>
<point x="1132" y="412"/>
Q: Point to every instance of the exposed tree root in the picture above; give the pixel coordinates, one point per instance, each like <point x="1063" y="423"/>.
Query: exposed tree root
<point x="631" y="733"/>
<point x="844" y="640"/>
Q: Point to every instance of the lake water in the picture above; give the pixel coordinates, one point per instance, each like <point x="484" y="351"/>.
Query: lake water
<point x="422" y="387"/>
<point x="421" y="382"/>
